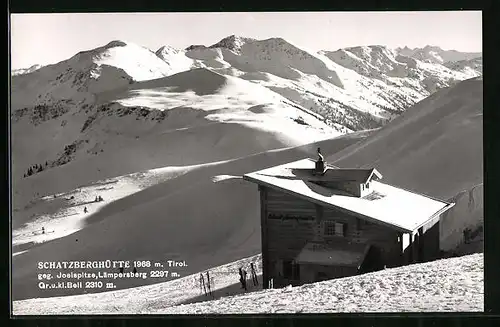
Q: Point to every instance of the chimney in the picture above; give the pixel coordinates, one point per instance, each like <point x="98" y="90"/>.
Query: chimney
<point x="320" y="163"/>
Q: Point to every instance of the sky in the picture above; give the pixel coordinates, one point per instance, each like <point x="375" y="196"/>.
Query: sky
<point x="50" y="38"/>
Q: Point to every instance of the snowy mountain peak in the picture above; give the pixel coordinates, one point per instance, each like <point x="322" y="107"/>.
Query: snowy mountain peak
<point x="277" y="42"/>
<point x="371" y="49"/>
<point x="35" y="67"/>
<point x="79" y="78"/>
<point x="232" y="42"/>
<point x="328" y="83"/>
<point x="436" y="55"/>
<point x="166" y="50"/>
<point x="432" y="48"/>
<point x="115" y="43"/>
<point x="195" y="47"/>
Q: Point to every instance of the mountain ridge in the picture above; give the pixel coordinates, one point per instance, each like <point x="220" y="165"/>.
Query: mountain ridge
<point x="330" y="93"/>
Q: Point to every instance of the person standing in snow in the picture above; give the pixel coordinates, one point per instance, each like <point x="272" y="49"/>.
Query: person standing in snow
<point x="254" y="275"/>
<point x="85" y="210"/>
<point x="242" y="279"/>
<point x="202" y="284"/>
<point x="209" y="284"/>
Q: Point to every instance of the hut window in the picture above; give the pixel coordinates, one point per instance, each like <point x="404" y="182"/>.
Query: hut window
<point x="335" y="229"/>
<point x="329" y="228"/>
<point x="340" y="229"/>
<point x="367" y="186"/>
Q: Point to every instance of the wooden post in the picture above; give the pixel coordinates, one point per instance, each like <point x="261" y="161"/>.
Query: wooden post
<point x="414" y="249"/>
<point x="410" y="248"/>
<point x="401" y="249"/>
<point x="263" y="228"/>
<point x="421" y="245"/>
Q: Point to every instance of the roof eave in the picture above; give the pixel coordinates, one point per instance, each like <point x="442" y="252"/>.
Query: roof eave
<point x="377" y="173"/>
<point x="447" y="207"/>
<point x="326" y="204"/>
<point x="373" y="172"/>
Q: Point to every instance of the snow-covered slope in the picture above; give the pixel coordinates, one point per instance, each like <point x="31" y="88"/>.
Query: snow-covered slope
<point x="354" y="88"/>
<point x="175" y="59"/>
<point x="193" y="117"/>
<point x="434" y="54"/>
<point x="445" y="285"/>
<point x="22" y="71"/>
<point x="414" y="151"/>
<point x="434" y="148"/>
<point x="415" y="76"/>
<point x="207" y="222"/>
<point x="470" y="66"/>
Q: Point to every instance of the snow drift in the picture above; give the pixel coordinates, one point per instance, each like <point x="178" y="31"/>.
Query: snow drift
<point x="448" y="285"/>
<point x="445" y="285"/>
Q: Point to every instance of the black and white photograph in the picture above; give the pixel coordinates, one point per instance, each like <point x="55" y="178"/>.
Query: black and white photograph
<point x="246" y="163"/>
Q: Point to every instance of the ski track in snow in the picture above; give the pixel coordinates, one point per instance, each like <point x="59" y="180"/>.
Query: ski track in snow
<point x="68" y="216"/>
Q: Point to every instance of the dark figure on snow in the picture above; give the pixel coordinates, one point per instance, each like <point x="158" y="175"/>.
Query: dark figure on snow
<point x="202" y="284"/>
<point x="243" y="279"/>
<point x="100" y="198"/>
<point x="209" y="284"/>
<point x="254" y="275"/>
<point x="85" y="210"/>
<point x="43" y="230"/>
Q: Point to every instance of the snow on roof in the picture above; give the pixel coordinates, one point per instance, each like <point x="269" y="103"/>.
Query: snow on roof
<point x="400" y="209"/>
<point x="342" y="254"/>
<point x="350" y="175"/>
